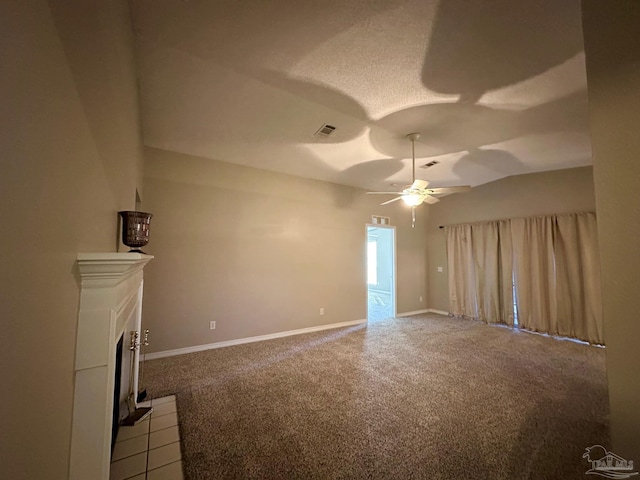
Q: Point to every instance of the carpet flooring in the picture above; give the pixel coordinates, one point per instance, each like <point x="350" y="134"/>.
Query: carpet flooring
<point x="422" y="397"/>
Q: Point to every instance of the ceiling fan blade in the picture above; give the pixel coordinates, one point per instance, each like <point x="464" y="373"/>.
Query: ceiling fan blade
<point x="419" y="184"/>
<point x="430" y="199"/>
<point x="443" y="190"/>
<point x="384" y="193"/>
<point x="392" y="200"/>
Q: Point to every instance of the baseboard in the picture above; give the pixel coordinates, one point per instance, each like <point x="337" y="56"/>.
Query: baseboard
<point x="439" y="312"/>
<point x="259" y="338"/>
<point x="415" y="312"/>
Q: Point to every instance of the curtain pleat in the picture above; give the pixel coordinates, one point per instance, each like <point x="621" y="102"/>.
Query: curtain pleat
<point x="506" y="278"/>
<point x="552" y="261"/>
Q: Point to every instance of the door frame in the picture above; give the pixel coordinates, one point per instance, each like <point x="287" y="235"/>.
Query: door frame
<point x="394" y="268"/>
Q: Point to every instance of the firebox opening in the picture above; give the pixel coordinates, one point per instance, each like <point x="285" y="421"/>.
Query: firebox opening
<point x="115" y="422"/>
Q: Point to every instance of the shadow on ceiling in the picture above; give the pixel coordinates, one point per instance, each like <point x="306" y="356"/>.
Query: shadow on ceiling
<point x="455" y="127"/>
<point x="477" y="46"/>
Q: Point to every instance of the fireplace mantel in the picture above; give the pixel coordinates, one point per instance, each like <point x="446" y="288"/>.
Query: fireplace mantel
<point x="110" y="306"/>
<point x="113" y="267"/>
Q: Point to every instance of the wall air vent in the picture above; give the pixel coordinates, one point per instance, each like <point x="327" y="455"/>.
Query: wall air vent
<point x="378" y="220"/>
<point x="325" y="130"/>
<point x="430" y="164"/>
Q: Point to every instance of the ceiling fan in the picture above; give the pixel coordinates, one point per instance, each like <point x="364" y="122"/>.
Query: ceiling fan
<point x="418" y="193"/>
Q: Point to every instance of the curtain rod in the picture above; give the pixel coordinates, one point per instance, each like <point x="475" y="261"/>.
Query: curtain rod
<point x="512" y="218"/>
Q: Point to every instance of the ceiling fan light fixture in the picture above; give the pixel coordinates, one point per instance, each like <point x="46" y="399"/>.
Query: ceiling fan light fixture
<point x="412" y="199"/>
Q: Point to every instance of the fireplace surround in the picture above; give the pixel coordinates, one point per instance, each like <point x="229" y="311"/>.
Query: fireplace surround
<point x="110" y="306"/>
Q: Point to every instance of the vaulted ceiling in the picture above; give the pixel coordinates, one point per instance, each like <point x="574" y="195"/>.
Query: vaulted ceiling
<point x="495" y="88"/>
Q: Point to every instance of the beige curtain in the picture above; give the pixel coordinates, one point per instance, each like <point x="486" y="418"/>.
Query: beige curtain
<point x="476" y="265"/>
<point x="486" y="258"/>
<point x="460" y="265"/>
<point x="534" y="272"/>
<point x="578" y="277"/>
<point x="552" y="261"/>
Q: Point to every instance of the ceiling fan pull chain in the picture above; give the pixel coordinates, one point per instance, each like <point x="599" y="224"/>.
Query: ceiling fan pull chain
<point x="413" y="217"/>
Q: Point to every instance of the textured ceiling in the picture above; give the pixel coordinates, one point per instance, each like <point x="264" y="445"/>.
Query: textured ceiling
<point x="495" y="88"/>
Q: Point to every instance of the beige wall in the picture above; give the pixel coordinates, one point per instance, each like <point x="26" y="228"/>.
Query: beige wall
<point x="260" y="252"/>
<point x="559" y="191"/>
<point x="612" y="47"/>
<point x="68" y="95"/>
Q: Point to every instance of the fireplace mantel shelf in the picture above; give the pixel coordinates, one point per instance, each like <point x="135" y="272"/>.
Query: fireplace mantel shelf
<point x="110" y="266"/>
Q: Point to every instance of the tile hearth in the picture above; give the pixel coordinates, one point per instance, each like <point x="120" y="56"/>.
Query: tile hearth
<point x="150" y="450"/>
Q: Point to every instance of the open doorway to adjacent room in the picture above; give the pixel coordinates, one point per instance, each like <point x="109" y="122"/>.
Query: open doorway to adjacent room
<point x="381" y="272"/>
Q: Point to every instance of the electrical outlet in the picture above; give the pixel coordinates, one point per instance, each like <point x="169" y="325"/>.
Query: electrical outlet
<point x="322" y="311"/>
<point x="420" y="298"/>
<point x="212" y="325"/>
<point x="439" y="269"/>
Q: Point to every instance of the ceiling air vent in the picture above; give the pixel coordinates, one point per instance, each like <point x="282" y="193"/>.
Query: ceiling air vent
<point x="430" y="164"/>
<point x="325" y="130"/>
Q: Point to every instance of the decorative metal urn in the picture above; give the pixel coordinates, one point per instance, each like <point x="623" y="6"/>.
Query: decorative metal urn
<point x="135" y="229"/>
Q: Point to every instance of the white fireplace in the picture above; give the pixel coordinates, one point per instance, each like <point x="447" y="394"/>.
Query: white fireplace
<point x="110" y="307"/>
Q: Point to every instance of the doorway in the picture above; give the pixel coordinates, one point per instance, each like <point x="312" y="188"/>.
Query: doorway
<point x="381" y="272"/>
